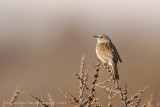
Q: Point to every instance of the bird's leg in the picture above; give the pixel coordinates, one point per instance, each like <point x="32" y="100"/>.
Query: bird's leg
<point x="116" y="83"/>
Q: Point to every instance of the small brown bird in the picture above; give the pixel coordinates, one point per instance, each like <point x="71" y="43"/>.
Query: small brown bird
<point x="107" y="53"/>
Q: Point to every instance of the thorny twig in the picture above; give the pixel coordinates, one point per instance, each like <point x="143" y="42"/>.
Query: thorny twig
<point x="51" y="100"/>
<point x="39" y="102"/>
<point x="15" y="96"/>
<point x="83" y="78"/>
<point x="72" y="101"/>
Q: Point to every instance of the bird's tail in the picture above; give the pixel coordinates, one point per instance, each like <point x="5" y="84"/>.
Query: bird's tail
<point x="115" y="71"/>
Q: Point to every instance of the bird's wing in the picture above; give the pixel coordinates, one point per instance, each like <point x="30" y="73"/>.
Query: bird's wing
<point x="109" y="50"/>
<point x="117" y="54"/>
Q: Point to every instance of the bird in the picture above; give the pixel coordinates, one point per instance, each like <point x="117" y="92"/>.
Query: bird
<point x="108" y="54"/>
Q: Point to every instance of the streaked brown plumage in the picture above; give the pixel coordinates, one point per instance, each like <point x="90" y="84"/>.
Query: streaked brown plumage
<point x="107" y="53"/>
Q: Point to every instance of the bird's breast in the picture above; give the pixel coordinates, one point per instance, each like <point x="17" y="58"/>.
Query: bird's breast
<point x="102" y="54"/>
<point x="103" y="58"/>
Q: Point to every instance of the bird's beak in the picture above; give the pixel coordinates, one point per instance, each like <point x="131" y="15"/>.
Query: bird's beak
<point x="95" y="36"/>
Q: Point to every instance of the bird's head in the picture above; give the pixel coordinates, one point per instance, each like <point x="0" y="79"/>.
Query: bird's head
<point x="102" y="38"/>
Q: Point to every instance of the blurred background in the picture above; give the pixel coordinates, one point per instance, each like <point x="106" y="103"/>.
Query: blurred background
<point x="42" y="42"/>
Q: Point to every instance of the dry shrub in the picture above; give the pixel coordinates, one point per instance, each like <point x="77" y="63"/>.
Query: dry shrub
<point x="91" y="100"/>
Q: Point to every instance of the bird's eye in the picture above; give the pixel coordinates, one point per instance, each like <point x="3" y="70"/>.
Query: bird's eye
<point x="101" y="36"/>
